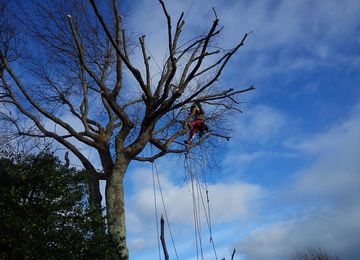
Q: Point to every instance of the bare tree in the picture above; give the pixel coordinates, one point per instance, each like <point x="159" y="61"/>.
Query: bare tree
<point x="314" y="253"/>
<point x="63" y="62"/>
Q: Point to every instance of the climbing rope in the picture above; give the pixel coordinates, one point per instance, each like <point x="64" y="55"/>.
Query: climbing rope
<point x="156" y="210"/>
<point x="165" y="211"/>
<point x="195" y="217"/>
<point x="199" y="219"/>
<point x="196" y="208"/>
<point x="198" y="201"/>
<point x="155" y="173"/>
<point x="208" y="216"/>
<point x="199" y="204"/>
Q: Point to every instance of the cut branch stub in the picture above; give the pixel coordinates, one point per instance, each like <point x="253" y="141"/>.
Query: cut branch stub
<point x="162" y="238"/>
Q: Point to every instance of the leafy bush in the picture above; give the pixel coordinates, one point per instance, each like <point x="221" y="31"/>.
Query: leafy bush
<point x="44" y="211"/>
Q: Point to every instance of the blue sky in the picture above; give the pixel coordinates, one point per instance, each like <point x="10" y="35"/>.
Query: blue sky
<point x="289" y="177"/>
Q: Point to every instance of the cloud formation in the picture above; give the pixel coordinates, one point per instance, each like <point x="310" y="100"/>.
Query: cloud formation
<point x="288" y="36"/>
<point x="228" y="201"/>
<point x="322" y="196"/>
<point x="295" y="51"/>
<point x="336" y="232"/>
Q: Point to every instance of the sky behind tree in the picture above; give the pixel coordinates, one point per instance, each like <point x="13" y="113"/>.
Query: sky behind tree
<point x="289" y="177"/>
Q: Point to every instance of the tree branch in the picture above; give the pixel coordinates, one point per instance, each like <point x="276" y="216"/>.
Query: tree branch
<point x="150" y="158"/>
<point x="38" y="107"/>
<point x="50" y="134"/>
<point x="118" y="30"/>
<point x="111" y="100"/>
<point x="217" y="75"/>
<point x="172" y="48"/>
<point x="136" y="73"/>
<point x="146" y="60"/>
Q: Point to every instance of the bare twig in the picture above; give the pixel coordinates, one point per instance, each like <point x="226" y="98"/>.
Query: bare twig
<point x="216" y="17"/>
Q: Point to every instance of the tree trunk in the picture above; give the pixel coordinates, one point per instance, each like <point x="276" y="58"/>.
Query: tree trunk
<point x="115" y="206"/>
<point x="95" y="204"/>
<point x="94" y="193"/>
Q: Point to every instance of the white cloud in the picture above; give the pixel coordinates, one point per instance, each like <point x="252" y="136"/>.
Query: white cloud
<point x="288" y="35"/>
<point x="256" y="137"/>
<point x="242" y="158"/>
<point x="261" y="124"/>
<point x="228" y="201"/>
<point x="338" y="232"/>
<point x="178" y="198"/>
<point x="323" y="195"/>
<point x="333" y="176"/>
<point x="137" y="244"/>
<point x="336" y="170"/>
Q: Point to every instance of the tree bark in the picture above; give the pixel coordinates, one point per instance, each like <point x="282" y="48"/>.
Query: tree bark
<point x="95" y="199"/>
<point x="94" y="193"/>
<point x="115" y="205"/>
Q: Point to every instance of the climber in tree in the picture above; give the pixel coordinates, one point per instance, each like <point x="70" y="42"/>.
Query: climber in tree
<point x="197" y="124"/>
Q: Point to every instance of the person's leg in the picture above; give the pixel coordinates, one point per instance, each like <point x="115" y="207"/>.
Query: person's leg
<point x="192" y="133"/>
<point x="203" y="129"/>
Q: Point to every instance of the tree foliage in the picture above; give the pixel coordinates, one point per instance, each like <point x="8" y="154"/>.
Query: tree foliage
<point x="44" y="211"/>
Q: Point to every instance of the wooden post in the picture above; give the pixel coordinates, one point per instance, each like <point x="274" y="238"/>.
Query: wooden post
<point x="162" y="238"/>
